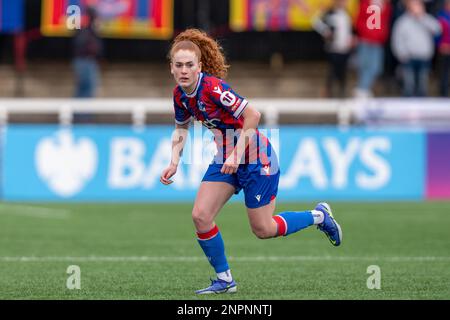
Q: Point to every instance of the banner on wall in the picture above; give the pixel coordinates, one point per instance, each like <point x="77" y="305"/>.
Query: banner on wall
<point x="151" y="19"/>
<point x="279" y="15"/>
<point x="11" y="16"/>
<point x="116" y="163"/>
<point x="438" y="166"/>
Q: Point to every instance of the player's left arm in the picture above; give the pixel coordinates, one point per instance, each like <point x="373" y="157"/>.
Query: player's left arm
<point x="251" y="118"/>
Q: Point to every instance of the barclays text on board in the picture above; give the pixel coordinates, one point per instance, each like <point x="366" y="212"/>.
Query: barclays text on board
<point x="118" y="163"/>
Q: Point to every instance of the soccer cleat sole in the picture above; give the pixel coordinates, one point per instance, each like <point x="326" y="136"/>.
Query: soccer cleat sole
<point x="228" y="290"/>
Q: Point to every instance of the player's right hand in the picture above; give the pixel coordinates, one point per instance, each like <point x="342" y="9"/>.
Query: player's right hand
<point x="167" y="174"/>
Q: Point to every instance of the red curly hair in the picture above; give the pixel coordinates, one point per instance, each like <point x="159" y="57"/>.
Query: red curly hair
<point x="208" y="51"/>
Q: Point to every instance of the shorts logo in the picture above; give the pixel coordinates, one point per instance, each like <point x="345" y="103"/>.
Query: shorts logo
<point x="227" y="98"/>
<point x="258" y="197"/>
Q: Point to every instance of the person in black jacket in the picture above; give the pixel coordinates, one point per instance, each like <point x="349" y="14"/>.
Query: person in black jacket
<point x="87" y="47"/>
<point x="335" y="26"/>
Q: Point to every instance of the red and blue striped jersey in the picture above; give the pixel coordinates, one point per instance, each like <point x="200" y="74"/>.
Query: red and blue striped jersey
<point x="213" y="103"/>
<point x="219" y="108"/>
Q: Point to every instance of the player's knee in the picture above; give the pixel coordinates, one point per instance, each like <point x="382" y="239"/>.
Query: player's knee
<point x="262" y="232"/>
<point x="201" y="218"/>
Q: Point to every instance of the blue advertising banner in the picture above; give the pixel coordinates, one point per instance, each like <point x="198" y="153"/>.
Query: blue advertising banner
<point x="353" y="164"/>
<point x="118" y="163"/>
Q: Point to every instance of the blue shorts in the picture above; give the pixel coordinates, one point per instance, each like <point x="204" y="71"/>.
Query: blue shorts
<point x="260" y="187"/>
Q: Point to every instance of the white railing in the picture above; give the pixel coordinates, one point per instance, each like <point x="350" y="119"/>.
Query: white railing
<point x="411" y="111"/>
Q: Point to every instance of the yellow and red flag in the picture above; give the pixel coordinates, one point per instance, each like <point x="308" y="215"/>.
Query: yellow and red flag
<point x="279" y="15"/>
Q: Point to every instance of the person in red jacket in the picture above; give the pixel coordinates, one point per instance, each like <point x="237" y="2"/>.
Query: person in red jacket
<point x="444" y="49"/>
<point x="372" y="27"/>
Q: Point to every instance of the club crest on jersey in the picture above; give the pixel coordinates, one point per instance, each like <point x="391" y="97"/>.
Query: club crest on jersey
<point x="201" y="106"/>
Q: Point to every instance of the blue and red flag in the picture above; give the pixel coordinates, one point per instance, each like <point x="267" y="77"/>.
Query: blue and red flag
<point x="11" y="16"/>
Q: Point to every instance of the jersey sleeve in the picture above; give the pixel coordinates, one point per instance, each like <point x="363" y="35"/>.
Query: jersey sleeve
<point x="182" y="115"/>
<point x="226" y="98"/>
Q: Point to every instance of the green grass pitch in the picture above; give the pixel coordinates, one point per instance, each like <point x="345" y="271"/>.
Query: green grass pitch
<point x="149" y="251"/>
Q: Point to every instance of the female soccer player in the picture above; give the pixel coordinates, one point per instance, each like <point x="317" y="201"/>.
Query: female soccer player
<point x="245" y="158"/>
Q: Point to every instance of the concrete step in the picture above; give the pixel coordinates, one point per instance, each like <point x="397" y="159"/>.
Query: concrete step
<point x="250" y="79"/>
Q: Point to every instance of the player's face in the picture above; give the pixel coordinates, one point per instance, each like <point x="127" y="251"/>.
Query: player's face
<point x="185" y="68"/>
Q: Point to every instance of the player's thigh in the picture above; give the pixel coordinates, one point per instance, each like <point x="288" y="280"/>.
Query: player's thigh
<point x="260" y="193"/>
<point x="211" y="197"/>
<point x="261" y="218"/>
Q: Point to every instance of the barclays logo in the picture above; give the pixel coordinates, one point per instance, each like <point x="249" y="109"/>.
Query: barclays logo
<point x="65" y="164"/>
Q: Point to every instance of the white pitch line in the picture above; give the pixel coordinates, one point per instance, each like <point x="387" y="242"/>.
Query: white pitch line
<point x="237" y="259"/>
<point x="32" y="211"/>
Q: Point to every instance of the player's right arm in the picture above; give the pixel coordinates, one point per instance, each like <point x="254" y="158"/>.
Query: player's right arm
<point x="178" y="141"/>
<point x="182" y="120"/>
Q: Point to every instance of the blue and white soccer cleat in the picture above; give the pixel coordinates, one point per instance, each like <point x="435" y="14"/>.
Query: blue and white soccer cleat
<point x="329" y="226"/>
<point x="219" y="286"/>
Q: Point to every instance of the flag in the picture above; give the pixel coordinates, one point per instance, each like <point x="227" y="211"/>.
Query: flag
<point x="278" y="15"/>
<point x="151" y="19"/>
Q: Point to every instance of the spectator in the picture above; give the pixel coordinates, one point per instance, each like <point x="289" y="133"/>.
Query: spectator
<point x="444" y="49"/>
<point x="392" y="81"/>
<point x="371" y="42"/>
<point x="413" y="45"/>
<point x="335" y="27"/>
<point x="432" y="6"/>
<point x="87" y="49"/>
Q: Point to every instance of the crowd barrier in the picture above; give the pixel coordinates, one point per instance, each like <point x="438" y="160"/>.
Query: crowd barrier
<point x="413" y="111"/>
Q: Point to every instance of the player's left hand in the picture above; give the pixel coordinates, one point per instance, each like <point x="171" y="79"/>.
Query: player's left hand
<point x="230" y="166"/>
